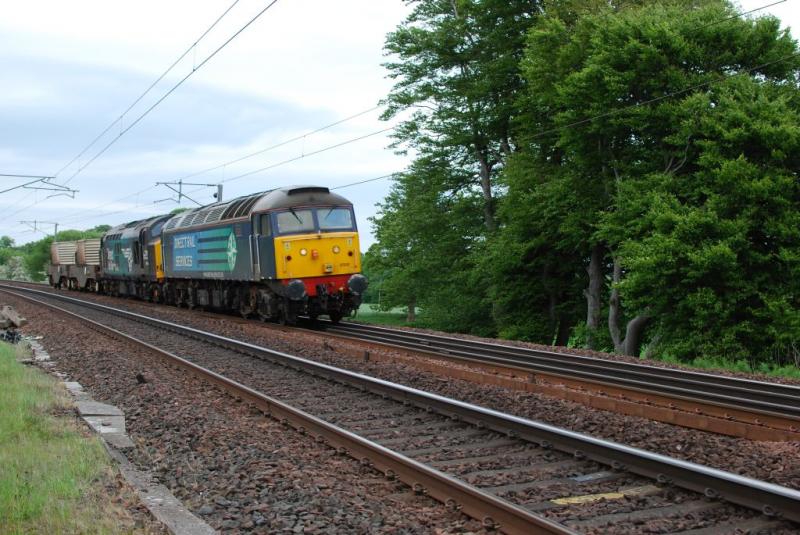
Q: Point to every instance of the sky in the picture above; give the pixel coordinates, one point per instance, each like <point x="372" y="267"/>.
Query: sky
<point x="72" y="68"/>
<point x="302" y="65"/>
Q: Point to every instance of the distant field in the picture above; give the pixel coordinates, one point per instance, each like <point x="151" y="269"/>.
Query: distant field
<point x="367" y="313"/>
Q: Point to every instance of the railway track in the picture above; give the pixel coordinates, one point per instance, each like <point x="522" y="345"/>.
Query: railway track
<point x="716" y="403"/>
<point x="514" y="474"/>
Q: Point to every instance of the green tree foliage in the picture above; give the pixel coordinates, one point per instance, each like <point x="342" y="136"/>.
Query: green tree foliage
<point x="424" y="250"/>
<point x="616" y="99"/>
<point x="618" y="172"/>
<point x="6" y="249"/>
<point x="714" y="253"/>
<point x="456" y="68"/>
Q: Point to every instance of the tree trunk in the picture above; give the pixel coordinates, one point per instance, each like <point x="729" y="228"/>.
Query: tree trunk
<point x="564" y="329"/>
<point x="592" y="294"/>
<point x="552" y="315"/>
<point x="633" y="330"/>
<point x="486" y="187"/>
<point x="552" y="302"/>
<point x="614" y="311"/>
<point x="412" y="310"/>
<point x="633" y="335"/>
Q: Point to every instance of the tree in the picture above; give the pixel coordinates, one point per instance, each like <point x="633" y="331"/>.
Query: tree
<point x="424" y="241"/>
<point x="714" y="254"/>
<point x="6" y="249"/>
<point x="457" y="70"/>
<point x="14" y="269"/>
<point x="604" y="109"/>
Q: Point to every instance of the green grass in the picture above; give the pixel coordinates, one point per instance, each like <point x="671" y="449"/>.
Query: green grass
<point x="710" y="363"/>
<point x="369" y="313"/>
<point x="51" y="472"/>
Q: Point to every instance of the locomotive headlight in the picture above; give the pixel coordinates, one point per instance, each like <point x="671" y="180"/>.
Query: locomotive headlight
<point x="336" y="249"/>
<point x="357" y="284"/>
<point x="303" y="252"/>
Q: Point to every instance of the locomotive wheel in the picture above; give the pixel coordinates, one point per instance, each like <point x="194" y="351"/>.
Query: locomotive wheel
<point x="335" y="317"/>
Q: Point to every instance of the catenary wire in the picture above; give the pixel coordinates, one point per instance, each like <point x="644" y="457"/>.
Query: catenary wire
<point x="150" y="88"/>
<point x="307" y="154"/>
<point x="735" y="16"/>
<point x="27" y="176"/>
<point x="81" y="216"/>
<point x="304" y="155"/>
<point x="168" y="93"/>
<point x="278" y="145"/>
<point x="374" y="179"/>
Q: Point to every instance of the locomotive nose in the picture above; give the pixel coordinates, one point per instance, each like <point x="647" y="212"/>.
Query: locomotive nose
<point x="357" y="284"/>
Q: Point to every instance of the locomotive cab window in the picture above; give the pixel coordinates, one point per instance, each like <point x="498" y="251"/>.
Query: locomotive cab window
<point x="293" y="221"/>
<point x="335" y="218"/>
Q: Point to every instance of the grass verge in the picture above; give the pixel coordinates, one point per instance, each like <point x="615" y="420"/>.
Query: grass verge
<point x="787" y="371"/>
<point x="54" y="476"/>
<point x="369" y="313"/>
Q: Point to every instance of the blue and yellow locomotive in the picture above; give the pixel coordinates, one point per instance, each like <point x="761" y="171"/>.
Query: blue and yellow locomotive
<point x="277" y="254"/>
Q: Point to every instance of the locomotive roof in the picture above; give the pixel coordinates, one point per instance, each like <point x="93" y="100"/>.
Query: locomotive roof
<point x="298" y="196"/>
<point x="276" y="199"/>
<point x="132" y="228"/>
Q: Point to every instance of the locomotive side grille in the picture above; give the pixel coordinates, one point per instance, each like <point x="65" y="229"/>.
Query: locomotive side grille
<point x="245" y="207"/>
<point x="215" y="214"/>
<point x="240" y="207"/>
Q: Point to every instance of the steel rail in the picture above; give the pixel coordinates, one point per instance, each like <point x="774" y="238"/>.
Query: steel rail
<point x="770" y="499"/>
<point x="682" y="410"/>
<point x="770" y="398"/>
<point x="492" y="511"/>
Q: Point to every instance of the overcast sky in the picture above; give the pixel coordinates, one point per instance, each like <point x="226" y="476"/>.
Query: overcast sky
<point x="71" y="68"/>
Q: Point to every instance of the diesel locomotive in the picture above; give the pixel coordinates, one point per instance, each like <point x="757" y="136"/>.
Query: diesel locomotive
<point x="277" y="255"/>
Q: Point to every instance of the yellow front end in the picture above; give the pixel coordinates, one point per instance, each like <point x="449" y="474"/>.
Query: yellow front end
<point x="317" y="255"/>
<point x="159" y="260"/>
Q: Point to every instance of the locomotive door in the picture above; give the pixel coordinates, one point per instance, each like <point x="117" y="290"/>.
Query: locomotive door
<point x="144" y="254"/>
<point x="263" y="256"/>
<point x="254" y="261"/>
